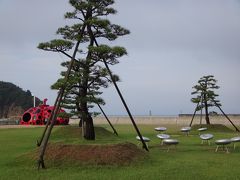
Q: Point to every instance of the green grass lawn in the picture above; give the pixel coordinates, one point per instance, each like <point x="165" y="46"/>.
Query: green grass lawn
<point x="190" y="160"/>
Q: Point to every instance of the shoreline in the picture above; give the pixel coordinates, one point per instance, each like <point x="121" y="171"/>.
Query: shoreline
<point x="182" y="120"/>
<point x="158" y="120"/>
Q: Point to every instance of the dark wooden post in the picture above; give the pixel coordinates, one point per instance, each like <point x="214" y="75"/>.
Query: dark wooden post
<point x="56" y="109"/>
<point x="49" y="130"/>
<point x="194" y="115"/>
<point x="196" y="111"/>
<point x="48" y="122"/>
<point x="119" y="92"/>
<point x="226" y="116"/>
<point x="201" y="112"/>
<point x="109" y="122"/>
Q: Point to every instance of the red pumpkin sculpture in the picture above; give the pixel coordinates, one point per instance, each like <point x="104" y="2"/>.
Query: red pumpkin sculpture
<point x="40" y="114"/>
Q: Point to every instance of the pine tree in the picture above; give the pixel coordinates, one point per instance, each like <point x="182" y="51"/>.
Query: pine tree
<point x="87" y="75"/>
<point x="205" y="95"/>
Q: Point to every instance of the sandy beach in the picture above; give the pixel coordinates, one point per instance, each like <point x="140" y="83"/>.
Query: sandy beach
<point x="158" y="120"/>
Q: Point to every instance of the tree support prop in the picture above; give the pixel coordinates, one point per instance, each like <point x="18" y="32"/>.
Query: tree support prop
<point x="48" y="122"/>
<point x="109" y="122"/>
<point x="119" y="93"/>
<point x="49" y="130"/>
<point x="55" y="111"/>
<point x="193" y="115"/>
<point x="114" y="130"/>
<point x="201" y="111"/>
<point x="226" y="116"/>
<point x="126" y="107"/>
<point x="196" y="111"/>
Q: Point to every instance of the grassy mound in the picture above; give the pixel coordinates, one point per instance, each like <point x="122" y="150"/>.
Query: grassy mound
<point x="118" y="154"/>
<point x="214" y="127"/>
<point x="68" y="147"/>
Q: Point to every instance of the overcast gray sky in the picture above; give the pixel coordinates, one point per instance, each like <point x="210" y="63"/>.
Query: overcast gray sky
<point x="172" y="44"/>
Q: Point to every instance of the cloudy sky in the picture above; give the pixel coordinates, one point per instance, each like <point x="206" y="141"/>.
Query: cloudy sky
<point x="172" y="44"/>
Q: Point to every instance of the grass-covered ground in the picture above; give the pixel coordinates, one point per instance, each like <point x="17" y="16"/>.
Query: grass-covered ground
<point x="190" y="160"/>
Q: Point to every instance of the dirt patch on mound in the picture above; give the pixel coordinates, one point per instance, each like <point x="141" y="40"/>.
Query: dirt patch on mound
<point x="117" y="154"/>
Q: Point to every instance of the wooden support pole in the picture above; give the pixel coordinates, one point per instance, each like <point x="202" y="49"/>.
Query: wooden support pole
<point x="196" y="111"/>
<point x="48" y="122"/>
<point x="226" y="116"/>
<point x="57" y="107"/>
<point x="109" y="122"/>
<point x="201" y="111"/>
<point x="48" y="131"/>
<point x="126" y="107"/>
<point x="119" y="92"/>
<point x="194" y="115"/>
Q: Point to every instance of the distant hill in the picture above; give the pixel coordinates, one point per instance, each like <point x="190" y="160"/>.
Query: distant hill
<point x="13" y="100"/>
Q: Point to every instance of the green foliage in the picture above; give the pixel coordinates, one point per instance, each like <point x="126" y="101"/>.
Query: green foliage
<point x="88" y="75"/>
<point x="64" y="115"/>
<point x="56" y="45"/>
<point x="205" y="94"/>
<point x="12" y="97"/>
<point x="109" y="54"/>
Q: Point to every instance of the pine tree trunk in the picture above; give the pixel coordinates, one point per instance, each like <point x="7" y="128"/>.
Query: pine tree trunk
<point x="89" y="130"/>
<point x="88" y="126"/>
<point x="1" y="111"/>
<point x="80" y="122"/>
<point x="207" y="119"/>
<point x="206" y="112"/>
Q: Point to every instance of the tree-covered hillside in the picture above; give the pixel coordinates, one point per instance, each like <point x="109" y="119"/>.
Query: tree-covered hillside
<point x="13" y="100"/>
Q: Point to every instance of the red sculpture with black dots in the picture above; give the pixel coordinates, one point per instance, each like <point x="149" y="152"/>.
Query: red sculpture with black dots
<point x="40" y="114"/>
